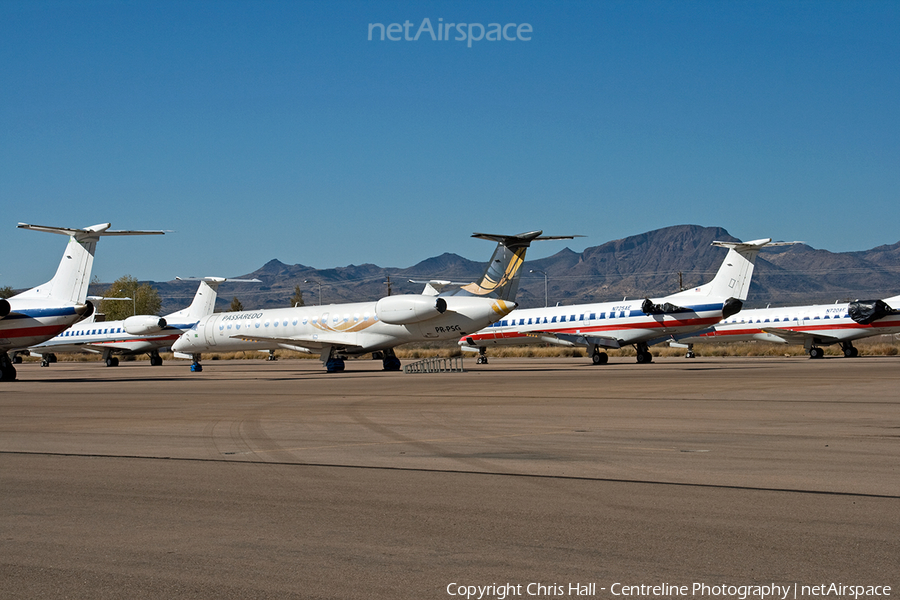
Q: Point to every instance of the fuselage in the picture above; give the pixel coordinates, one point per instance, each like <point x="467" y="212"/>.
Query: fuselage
<point x="111" y="335"/>
<point x="821" y="324"/>
<point x="619" y="323"/>
<point x="351" y="328"/>
<point x="31" y="322"/>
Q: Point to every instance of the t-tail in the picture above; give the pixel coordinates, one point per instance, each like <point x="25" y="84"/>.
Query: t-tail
<point x="733" y="278"/>
<point x="73" y="276"/>
<point x="501" y="276"/>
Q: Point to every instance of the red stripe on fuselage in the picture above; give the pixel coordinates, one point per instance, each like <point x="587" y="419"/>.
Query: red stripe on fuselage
<point x="698" y="323"/>
<point x="22" y="332"/>
<point x="774" y="327"/>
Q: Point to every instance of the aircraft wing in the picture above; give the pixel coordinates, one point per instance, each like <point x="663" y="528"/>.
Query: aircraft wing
<point x="578" y="339"/>
<point x="800" y="337"/>
<point x="317" y="343"/>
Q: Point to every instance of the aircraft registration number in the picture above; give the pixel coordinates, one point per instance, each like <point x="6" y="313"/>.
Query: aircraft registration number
<point x="448" y="328"/>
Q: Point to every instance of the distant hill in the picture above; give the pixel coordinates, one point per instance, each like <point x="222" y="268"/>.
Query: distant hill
<point x="648" y="264"/>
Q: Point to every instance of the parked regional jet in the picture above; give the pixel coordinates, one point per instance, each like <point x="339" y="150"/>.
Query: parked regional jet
<point x="41" y="313"/>
<point x="813" y="326"/>
<point x="635" y="322"/>
<point x="140" y="334"/>
<point x="340" y="330"/>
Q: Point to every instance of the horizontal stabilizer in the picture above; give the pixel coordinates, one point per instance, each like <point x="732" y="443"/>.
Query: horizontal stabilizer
<point x="87" y="232"/>
<point x="501" y="277"/>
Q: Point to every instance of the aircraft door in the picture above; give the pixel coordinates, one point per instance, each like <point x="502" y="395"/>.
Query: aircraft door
<point x="212" y="328"/>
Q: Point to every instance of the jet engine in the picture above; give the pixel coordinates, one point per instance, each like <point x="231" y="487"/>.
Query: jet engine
<point x="731" y="307"/>
<point x="866" y="312"/>
<point x="4" y="307"/>
<point x="402" y="310"/>
<point x="666" y="308"/>
<point x="144" y="324"/>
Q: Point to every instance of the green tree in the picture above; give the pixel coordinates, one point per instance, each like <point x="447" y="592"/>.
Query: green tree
<point x="297" y="298"/>
<point x="7" y="292"/>
<point x="236" y="305"/>
<point x="145" y="299"/>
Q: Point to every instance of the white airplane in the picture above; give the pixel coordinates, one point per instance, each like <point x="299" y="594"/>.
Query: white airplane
<point x="640" y="323"/>
<point x="140" y="334"/>
<point x="340" y="330"/>
<point x="813" y="326"/>
<point x="41" y="313"/>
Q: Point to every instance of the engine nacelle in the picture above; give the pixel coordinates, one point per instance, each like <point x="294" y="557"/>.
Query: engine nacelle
<point x="144" y="324"/>
<point x="402" y="310"/>
<point x="866" y="312"/>
<point x="4" y="307"/>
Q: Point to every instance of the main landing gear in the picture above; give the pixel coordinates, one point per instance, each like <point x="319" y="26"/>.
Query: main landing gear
<point x="482" y="356"/>
<point x="48" y="358"/>
<point x="849" y="350"/>
<point x="390" y="362"/>
<point x="7" y="370"/>
<point x="334" y="363"/>
<point x="155" y="359"/>
<point x="643" y="353"/>
<point x="599" y="358"/>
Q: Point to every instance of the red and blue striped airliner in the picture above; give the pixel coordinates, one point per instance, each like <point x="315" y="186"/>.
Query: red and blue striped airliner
<point x="639" y="322"/>
<point x="38" y="314"/>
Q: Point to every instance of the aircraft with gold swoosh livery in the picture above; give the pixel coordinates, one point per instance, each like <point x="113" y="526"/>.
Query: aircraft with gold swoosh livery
<point x="338" y="331"/>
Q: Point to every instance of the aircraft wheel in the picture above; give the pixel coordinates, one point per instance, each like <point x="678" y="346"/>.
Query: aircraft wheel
<point x="17" y="360"/>
<point x="816" y="353"/>
<point x="481" y="360"/>
<point x="644" y="358"/>
<point x="7" y="372"/>
<point x="51" y="358"/>
<point x="690" y="354"/>
<point x="334" y="365"/>
<point x="600" y="358"/>
<point x="391" y="363"/>
<point x="112" y="361"/>
<point x="45" y="362"/>
<point x="851" y="352"/>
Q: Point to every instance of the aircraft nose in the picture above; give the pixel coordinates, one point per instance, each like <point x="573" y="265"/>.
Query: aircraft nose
<point x="180" y="344"/>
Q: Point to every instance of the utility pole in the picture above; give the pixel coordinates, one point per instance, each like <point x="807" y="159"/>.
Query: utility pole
<point x="545" y="284"/>
<point x="388" y="283"/>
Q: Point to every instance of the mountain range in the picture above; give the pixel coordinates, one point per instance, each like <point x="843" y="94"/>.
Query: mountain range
<point x="655" y="263"/>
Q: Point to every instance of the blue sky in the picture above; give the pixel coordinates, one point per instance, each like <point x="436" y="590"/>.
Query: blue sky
<point x="260" y="130"/>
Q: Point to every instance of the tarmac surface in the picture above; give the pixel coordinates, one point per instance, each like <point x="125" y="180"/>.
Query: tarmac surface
<point x="258" y="479"/>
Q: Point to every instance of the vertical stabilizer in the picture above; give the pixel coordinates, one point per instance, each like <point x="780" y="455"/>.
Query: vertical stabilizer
<point x="501" y="276"/>
<point x="733" y="278"/>
<point x="70" y="284"/>
<point x="204" y="302"/>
